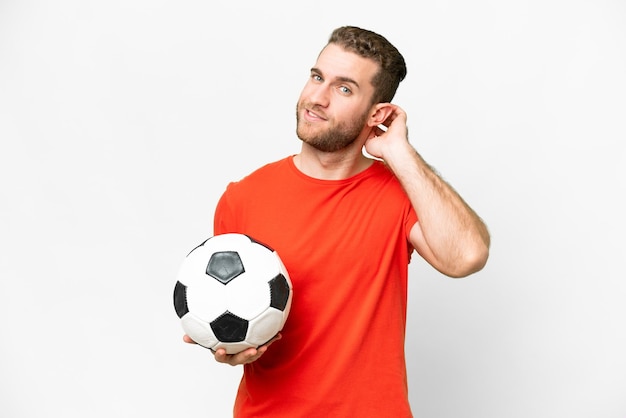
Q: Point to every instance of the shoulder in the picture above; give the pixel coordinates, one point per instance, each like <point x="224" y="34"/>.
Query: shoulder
<point x="270" y="169"/>
<point x="267" y="172"/>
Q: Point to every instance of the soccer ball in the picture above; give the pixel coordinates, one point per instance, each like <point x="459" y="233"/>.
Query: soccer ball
<point x="232" y="292"/>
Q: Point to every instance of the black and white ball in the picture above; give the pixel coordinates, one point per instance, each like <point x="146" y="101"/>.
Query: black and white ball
<point x="232" y="292"/>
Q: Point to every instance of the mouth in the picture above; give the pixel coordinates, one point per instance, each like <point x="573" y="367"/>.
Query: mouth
<point x="313" y="116"/>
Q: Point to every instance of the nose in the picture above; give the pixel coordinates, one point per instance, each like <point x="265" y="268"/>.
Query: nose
<point x="319" y="94"/>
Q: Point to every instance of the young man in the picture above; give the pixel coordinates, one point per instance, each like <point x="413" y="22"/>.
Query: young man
<point x="345" y="226"/>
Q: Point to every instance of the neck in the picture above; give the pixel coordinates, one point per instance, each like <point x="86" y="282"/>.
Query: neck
<point x="331" y="165"/>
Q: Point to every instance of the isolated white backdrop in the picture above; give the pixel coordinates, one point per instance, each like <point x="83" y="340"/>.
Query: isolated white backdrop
<point x="121" y="122"/>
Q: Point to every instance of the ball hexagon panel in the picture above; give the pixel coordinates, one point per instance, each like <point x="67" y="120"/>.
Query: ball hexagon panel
<point x="265" y="326"/>
<point x="199" y="330"/>
<point x="232" y="347"/>
<point x="248" y="296"/>
<point x="206" y="298"/>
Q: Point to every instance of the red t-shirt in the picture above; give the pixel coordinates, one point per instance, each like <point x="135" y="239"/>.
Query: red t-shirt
<point x="345" y="246"/>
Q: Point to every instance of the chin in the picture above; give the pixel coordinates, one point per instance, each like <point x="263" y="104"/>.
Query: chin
<point x="304" y="131"/>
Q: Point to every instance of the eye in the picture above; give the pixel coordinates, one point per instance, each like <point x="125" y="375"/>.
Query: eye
<point x="317" y="77"/>
<point x="345" y="90"/>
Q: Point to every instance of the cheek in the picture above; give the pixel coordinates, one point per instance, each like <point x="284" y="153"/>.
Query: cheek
<point x="306" y="89"/>
<point x="302" y="98"/>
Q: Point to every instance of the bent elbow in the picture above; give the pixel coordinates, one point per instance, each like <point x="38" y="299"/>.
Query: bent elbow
<point x="470" y="263"/>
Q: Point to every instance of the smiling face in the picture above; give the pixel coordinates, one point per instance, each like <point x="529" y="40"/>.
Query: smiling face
<point x="334" y="105"/>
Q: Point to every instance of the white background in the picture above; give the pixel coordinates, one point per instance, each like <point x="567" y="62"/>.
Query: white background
<point x="121" y="123"/>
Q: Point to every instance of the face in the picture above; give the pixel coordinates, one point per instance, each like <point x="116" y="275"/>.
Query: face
<point x="334" y="105"/>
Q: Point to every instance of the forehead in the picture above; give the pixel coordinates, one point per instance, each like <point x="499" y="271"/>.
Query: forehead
<point x="336" y="63"/>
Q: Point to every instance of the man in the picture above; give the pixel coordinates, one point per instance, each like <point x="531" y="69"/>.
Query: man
<point x="345" y="226"/>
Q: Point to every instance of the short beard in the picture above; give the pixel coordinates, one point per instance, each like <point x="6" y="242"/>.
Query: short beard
<point x="337" y="138"/>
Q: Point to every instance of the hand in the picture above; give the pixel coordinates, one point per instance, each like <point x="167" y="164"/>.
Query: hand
<point x="246" y="356"/>
<point x="380" y="142"/>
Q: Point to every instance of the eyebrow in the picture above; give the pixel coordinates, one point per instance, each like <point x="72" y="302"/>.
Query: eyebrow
<point x="342" y="79"/>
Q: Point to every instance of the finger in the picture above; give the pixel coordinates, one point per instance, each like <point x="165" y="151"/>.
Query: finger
<point x="257" y="355"/>
<point x="235" y="359"/>
<point x="250" y="355"/>
<point x="247" y="356"/>
<point x="276" y="338"/>
<point x="378" y="132"/>
<point x="188" y="340"/>
<point x="397" y="113"/>
<point x="221" y="356"/>
<point x="392" y="116"/>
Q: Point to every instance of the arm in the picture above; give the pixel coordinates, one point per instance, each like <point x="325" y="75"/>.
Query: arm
<point x="449" y="234"/>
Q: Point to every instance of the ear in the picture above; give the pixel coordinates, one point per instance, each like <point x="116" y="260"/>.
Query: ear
<point x="379" y="114"/>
